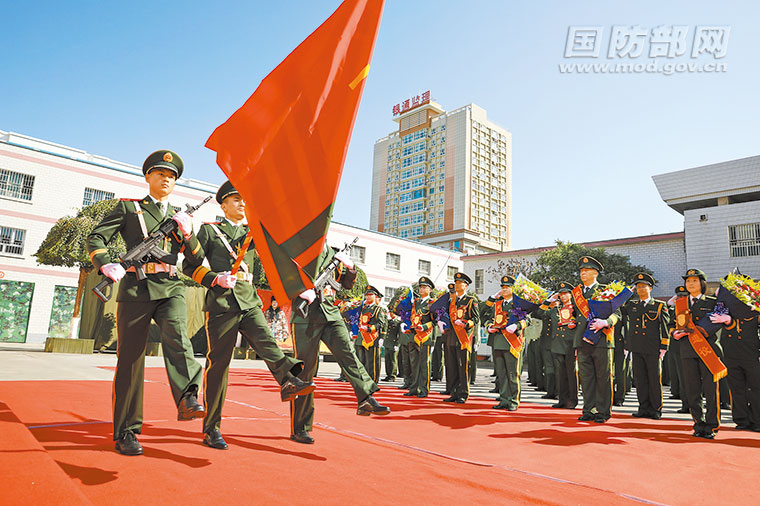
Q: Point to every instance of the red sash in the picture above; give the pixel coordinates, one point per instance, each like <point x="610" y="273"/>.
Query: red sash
<point x="697" y="339"/>
<point x="368" y="337"/>
<point x="423" y="336"/>
<point x="500" y="321"/>
<point x="457" y="313"/>
<point x="582" y="304"/>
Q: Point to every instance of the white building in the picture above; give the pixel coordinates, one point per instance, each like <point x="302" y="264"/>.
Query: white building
<point x="444" y="178"/>
<point x="41" y="181"/>
<point x="390" y="262"/>
<point x="720" y="204"/>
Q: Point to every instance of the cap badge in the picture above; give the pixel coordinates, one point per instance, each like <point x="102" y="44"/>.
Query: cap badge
<point x="168" y="157"/>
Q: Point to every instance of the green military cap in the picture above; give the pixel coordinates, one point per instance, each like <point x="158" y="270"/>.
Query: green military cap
<point x="372" y="289"/>
<point x="424" y="280"/>
<point x="225" y="191"/>
<point x="565" y="287"/>
<point x="643" y="277"/>
<point x="461" y="276"/>
<point x="450" y="287"/>
<point x="681" y="290"/>
<point x="164" y="159"/>
<point x="695" y="272"/>
<point x="507" y="281"/>
<point x="590" y="263"/>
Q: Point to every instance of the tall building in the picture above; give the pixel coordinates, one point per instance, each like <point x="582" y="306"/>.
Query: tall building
<point x="444" y="178"/>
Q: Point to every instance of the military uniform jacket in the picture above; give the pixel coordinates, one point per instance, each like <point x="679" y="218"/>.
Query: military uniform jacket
<point x="740" y="339"/>
<point x="422" y="308"/>
<point x="561" y="335"/>
<point x="471" y="317"/>
<point x="499" y="341"/>
<point x="325" y="309"/>
<point x="613" y="320"/>
<point x="700" y="308"/>
<point x="221" y="300"/>
<point x="377" y="321"/>
<point x="646" y="326"/>
<point x="124" y="220"/>
<point x="392" y="335"/>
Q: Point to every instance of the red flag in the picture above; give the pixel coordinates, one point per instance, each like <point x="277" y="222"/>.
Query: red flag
<point x="284" y="149"/>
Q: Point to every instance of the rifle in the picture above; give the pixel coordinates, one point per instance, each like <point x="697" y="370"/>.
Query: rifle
<point x="325" y="278"/>
<point x="144" y="252"/>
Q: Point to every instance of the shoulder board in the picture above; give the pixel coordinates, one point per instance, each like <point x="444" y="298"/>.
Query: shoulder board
<point x="212" y="222"/>
<point x="131" y="200"/>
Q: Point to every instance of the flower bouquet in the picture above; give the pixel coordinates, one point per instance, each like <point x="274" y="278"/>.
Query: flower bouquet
<point x="403" y="308"/>
<point x="440" y="309"/>
<point x="526" y="297"/>
<point x="740" y="294"/>
<point x="603" y="303"/>
<point x="351" y="311"/>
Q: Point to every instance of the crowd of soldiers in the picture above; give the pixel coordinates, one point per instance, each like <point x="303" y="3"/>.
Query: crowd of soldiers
<point x="431" y="346"/>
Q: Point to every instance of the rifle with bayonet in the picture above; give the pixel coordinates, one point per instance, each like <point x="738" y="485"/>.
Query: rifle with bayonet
<point x="324" y="279"/>
<point x="148" y="250"/>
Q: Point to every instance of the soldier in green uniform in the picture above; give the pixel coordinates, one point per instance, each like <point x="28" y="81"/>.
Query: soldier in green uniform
<point x="674" y="350"/>
<point x="698" y="379"/>
<point x="465" y="315"/>
<point x="507" y="344"/>
<point x="620" y="368"/>
<point x="323" y="323"/>
<point x="560" y="317"/>
<point x="594" y="361"/>
<point x="372" y="325"/>
<point x="390" y="345"/>
<point x="159" y="297"/>
<point x="419" y="348"/>
<point x="545" y="345"/>
<point x="232" y="305"/>
<point x="646" y="321"/>
<point x="741" y="347"/>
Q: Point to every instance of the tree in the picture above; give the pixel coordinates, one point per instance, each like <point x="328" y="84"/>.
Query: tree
<point x="511" y="267"/>
<point x="561" y="264"/>
<point x="64" y="246"/>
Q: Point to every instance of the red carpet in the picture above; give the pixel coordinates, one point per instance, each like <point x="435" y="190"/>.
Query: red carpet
<point x="57" y="449"/>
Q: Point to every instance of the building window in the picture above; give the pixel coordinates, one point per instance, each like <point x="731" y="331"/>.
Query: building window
<point x="744" y="240"/>
<point x="389" y="293"/>
<point x="16" y="185"/>
<point x="91" y="195"/>
<point x="12" y="240"/>
<point x="393" y="261"/>
<point x="478" y="280"/>
<point x="358" y="254"/>
<point x="423" y="267"/>
<point x="451" y="271"/>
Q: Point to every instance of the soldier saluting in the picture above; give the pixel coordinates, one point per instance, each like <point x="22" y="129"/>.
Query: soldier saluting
<point x="232" y="305"/>
<point x="159" y="297"/>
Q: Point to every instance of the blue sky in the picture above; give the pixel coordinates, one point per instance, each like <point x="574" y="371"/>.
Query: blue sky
<point x="123" y="79"/>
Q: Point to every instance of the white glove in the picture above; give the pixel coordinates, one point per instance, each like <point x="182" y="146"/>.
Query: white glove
<point x="598" y="324"/>
<point x="625" y="354"/>
<point x="113" y="271"/>
<point x="343" y="258"/>
<point x="492" y="330"/>
<point x="403" y="327"/>
<point x="496" y="295"/>
<point x="440" y="327"/>
<point x="511" y="328"/>
<point x="185" y="223"/>
<point x="460" y="323"/>
<point x="672" y="301"/>
<point x="225" y="280"/>
<point x="308" y="295"/>
<point x="720" y="318"/>
<point x="662" y="353"/>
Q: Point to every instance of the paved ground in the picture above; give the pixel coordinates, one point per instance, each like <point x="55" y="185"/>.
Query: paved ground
<point x="28" y="362"/>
